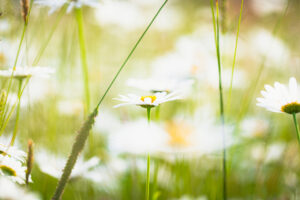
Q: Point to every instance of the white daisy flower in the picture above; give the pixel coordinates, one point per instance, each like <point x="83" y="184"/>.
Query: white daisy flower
<point x="12" y="169"/>
<point x="13" y="152"/>
<point x="57" y="4"/>
<point x="281" y="99"/>
<point x="147" y="101"/>
<point x="26" y="72"/>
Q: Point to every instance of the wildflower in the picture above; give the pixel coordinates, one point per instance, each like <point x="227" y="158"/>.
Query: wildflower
<point x="281" y="99"/>
<point x="26" y="72"/>
<point x="71" y="4"/>
<point x="12" y="169"/>
<point x="12" y="152"/>
<point x="147" y="101"/>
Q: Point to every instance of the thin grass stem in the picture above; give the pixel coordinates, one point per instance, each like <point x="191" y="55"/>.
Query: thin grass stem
<point x="234" y="56"/>
<point x="148" y="178"/>
<point x="17" y="114"/>
<point x="296" y="126"/>
<point x="46" y="42"/>
<point x="79" y="19"/>
<point x="217" y="41"/>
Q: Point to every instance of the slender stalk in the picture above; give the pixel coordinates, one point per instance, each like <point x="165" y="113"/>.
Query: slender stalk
<point x="45" y="44"/>
<point x="79" y="19"/>
<point x="297" y="127"/>
<point x="17" y="114"/>
<point x="84" y="131"/>
<point x="148" y="160"/>
<point x="148" y="178"/>
<point x="234" y="56"/>
<point x="217" y="41"/>
<point x="148" y="114"/>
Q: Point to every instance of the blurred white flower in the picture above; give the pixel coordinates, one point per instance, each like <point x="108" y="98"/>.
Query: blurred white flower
<point x="69" y="107"/>
<point x="147" y="101"/>
<point x="4" y="25"/>
<point x="12" y="191"/>
<point x="26" y="72"/>
<point x="79" y="3"/>
<point x="281" y="99"/>
<point x="254" y="127"/>
<point x="161" y="85"/>
<point x="53" y="165"/>
<point x="188" y="197"/>
<point x="198" y="138"/>
<point x="195" y="137"/>
<point x="133" y="15"/>
<point x="106" y="122"/>
<point x="108" y="173"/>
<point x="268" y="6"/>
<point x="12" y="169"/>
<point x="54" y="5"/>
<point x="263" y="43"/>
<point x="274" y="152"/>
<point x="138" y="137"/>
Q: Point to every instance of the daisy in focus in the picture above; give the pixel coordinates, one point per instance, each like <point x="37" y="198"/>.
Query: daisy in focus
<point x="147" y="101"/>
<point x="282" y="99"/>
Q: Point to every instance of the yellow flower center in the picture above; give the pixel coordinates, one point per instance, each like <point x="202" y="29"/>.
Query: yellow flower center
<point x="153" y="98"/>
<point x="7" y="170"/>
<point x="179" y="133"/>
<point x="291" y="108"/>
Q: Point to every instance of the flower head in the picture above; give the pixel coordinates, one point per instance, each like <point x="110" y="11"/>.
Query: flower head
<point x="12" y="169"/>
<point x="12" y="152"/>
<point x="26" y="72"/>
<point x="281" y="99"/>
<point x="147" y="101"/>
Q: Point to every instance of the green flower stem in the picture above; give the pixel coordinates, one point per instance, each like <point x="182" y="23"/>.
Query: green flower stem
<point x="46" y="42"/>
<point x="18" y="113"/>
<point x="148" y="178"/>
<point x="297" y="127"/>
<point x="84" y="131"/>
<point x="217" y="41"/>
<point x="149" y="114"/>
<point x="234" y="56"/>
<point x="148" y="160"/>
<point x="79" y="19"/>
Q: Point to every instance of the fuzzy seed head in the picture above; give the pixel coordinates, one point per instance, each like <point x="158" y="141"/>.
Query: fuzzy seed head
<point x="24" y="9"/>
